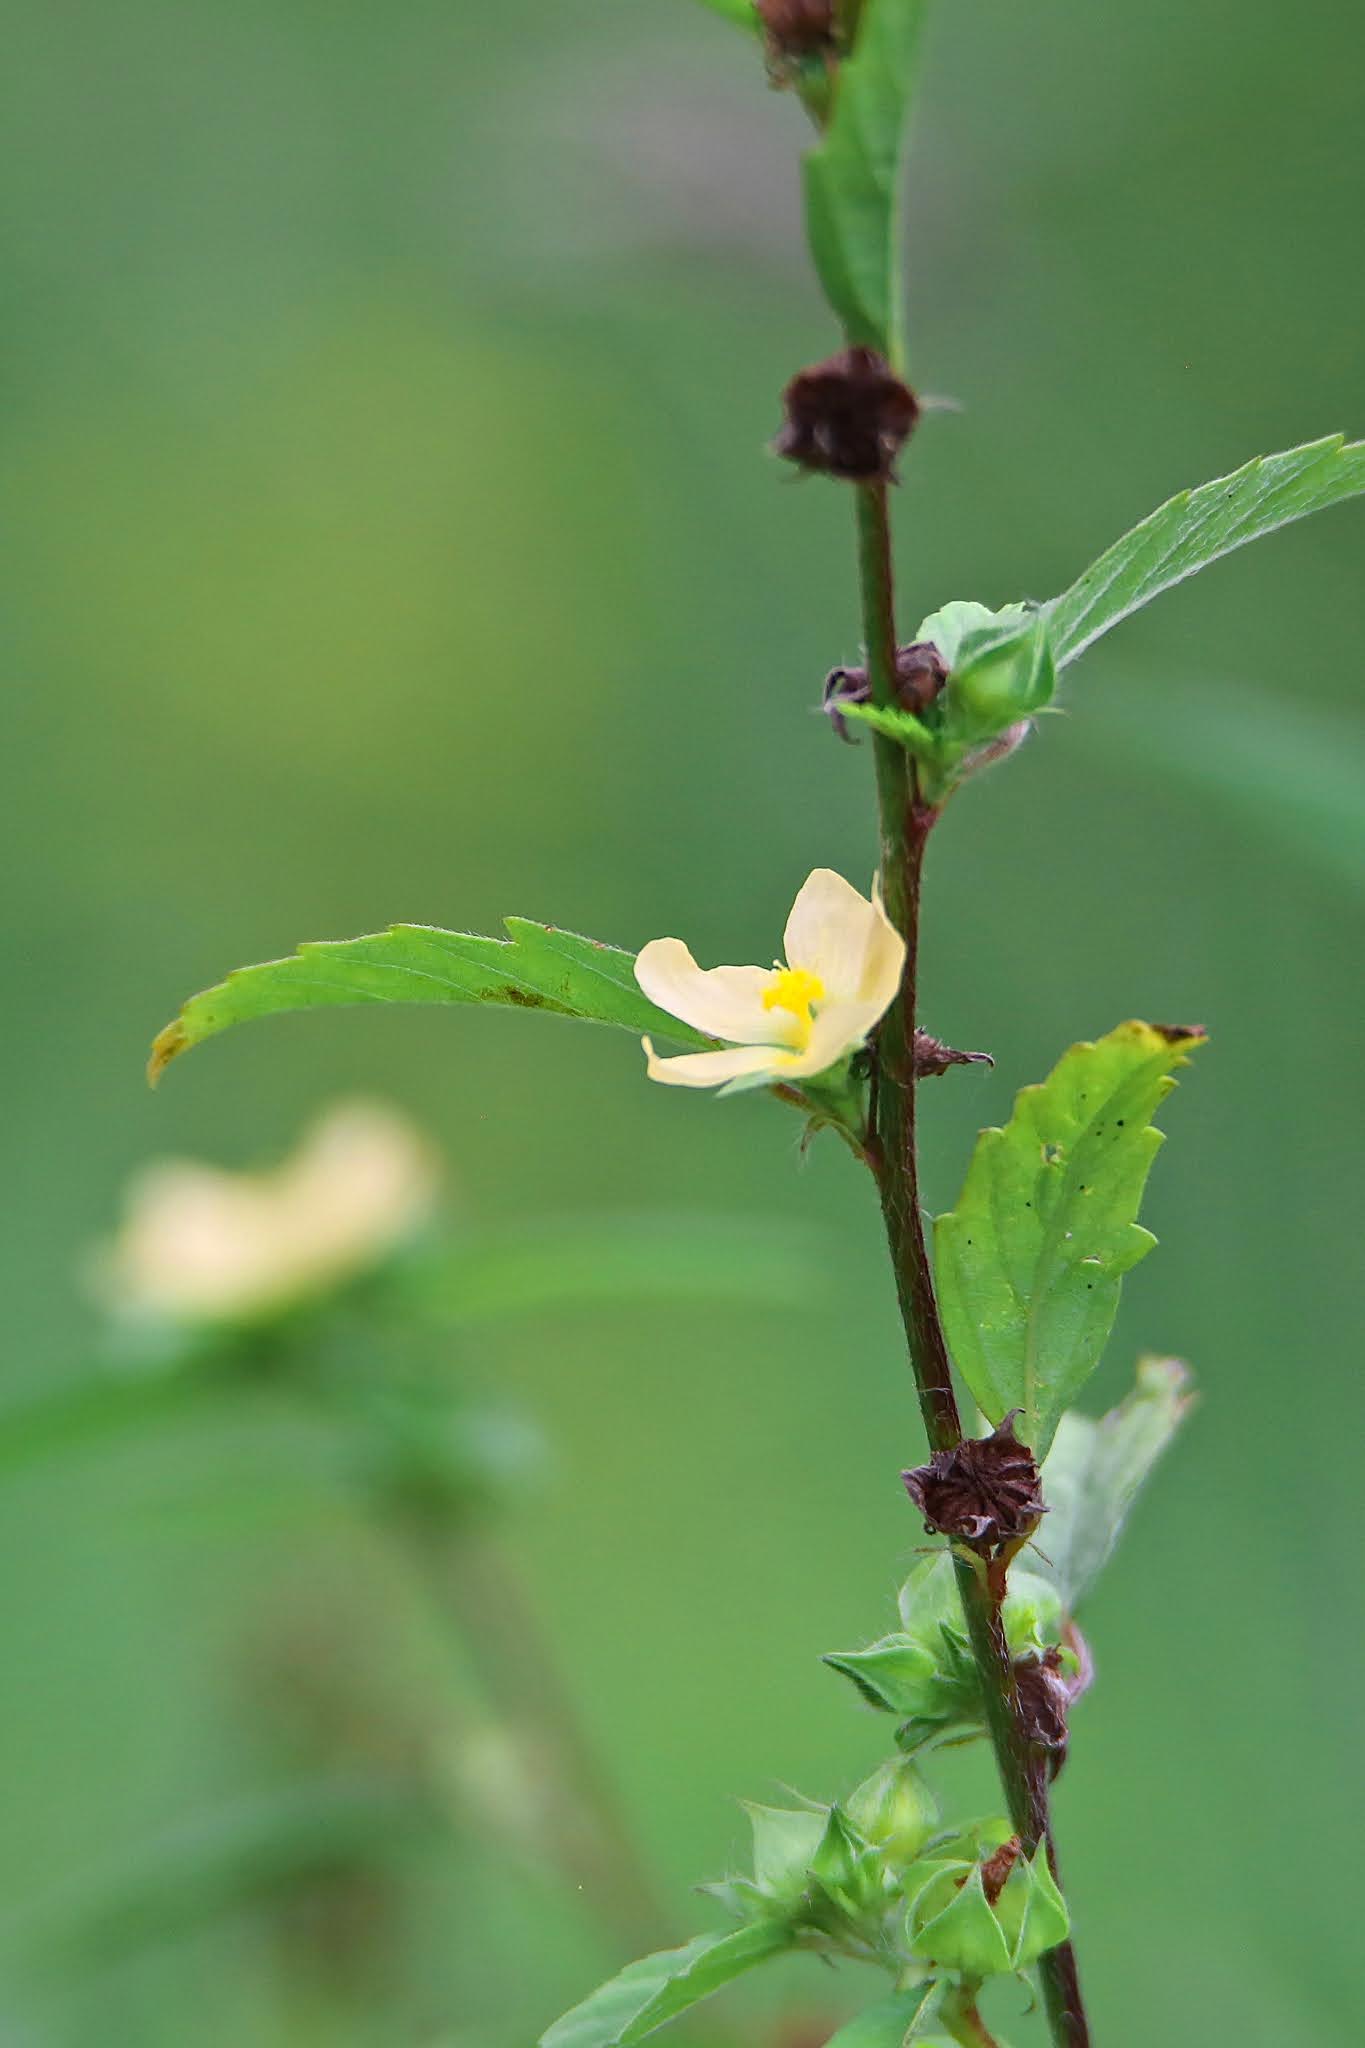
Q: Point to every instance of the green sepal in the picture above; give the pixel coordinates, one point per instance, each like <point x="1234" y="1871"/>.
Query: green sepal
<point x="1029" y="1263"/>
<point x="949" y="1923"/>
<point x="894" y="1811"/>
<point x="843" y="1867"/>
<point x="925" y="1674"/>
<point x="1031" y="1910"/>
<point x="647" y="1994"/>
<point x="786" y="1841"/>
<point x="897" y="1674"/>
<point x="894" y="724"/>
<point x="741" y="1897"/>
<point x="1003" y="673"/>
<point x="952" y="1924"/>
<point x="962" y="621"/>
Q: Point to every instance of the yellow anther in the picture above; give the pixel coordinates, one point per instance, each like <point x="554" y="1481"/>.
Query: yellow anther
<point x="795" y="989"/>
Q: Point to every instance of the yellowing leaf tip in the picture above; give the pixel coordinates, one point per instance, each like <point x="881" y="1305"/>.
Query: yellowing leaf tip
<point x="165" y="1046"/>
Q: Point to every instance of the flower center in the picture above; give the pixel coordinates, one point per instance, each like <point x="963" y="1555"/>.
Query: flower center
<point x="794" y="989"/>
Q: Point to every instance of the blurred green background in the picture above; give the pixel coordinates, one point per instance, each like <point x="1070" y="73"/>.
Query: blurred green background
<point x="388" y="533"/>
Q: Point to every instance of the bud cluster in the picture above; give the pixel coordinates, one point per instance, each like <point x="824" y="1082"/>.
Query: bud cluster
<point x="870" y="1877"/>
<point x="967" y="688"/>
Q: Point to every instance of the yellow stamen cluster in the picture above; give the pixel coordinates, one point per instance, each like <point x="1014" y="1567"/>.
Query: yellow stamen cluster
<point x="795" y="989"/>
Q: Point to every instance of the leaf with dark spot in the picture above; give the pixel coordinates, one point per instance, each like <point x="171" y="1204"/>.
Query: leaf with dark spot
<point x="1030" y="1262"/>
<point x="536" y="967"/>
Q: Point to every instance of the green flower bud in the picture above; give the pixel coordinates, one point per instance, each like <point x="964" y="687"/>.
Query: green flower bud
<point x="1003" y="674"/>
<point x="845" y="1868"/>
<point x="785" y="1841"/>
<point x="926" y="1674"/>
<point x="894" y="1811"/>
<point x="950" y="1923"/>
<point x="986" y="1917"/>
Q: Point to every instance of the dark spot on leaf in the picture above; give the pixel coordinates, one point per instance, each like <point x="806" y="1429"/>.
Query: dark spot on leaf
<point x="524" y="998"/>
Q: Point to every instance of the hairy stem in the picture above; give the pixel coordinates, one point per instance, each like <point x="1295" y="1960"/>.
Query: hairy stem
<point x="906" y="823"/>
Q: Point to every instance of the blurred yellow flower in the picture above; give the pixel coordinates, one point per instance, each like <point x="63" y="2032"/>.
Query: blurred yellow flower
<point x="201" y="1244"/>
<point x="787" y="1023"/>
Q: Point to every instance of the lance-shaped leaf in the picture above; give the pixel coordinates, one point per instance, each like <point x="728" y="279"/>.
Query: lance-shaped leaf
<point x="1196" y="528"/>
<point x="1095" y="1470"/>
<point x="536" y="967"/>
<point x="853" y="178"/>
<point x="647" y="1994"/>
<point x="895" y="2023"/>
<point x="1030" y="1262"/>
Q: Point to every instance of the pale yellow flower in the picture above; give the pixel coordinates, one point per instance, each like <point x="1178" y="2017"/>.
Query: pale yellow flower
<point x="201" y="1244"/>
<point x="785" y="1023"/>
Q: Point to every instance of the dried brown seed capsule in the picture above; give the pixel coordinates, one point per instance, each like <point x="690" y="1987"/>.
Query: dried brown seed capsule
<point x="848" y="417"/>
<point x="985" y="1490"/>
<point x="996" y="1869"/>
<point x="933" y="1057"/>
<point x="920" y="674"/>
<point x="799" y="28"/>
<point x="1044" y="1702"/>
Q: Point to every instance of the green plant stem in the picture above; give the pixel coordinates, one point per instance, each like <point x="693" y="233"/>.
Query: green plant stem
<point x="958" y="2012"/>
<point x="587" y="1832"/>
<point x="905" y="825"/>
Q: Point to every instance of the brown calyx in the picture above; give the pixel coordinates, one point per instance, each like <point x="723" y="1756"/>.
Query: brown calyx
<point x="799" y="28"/>
<point x="985" y="1490"/>
<point x="848" y="417"/>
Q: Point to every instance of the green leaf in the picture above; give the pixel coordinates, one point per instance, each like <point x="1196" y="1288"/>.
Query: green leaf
<point x="1030" y="1262"/>
<point x="647" y="1994"/>
<point x="853" y="178"/>
<point x="892" y="2024"/>
<point x="1095" y="1469"/>
<point x="1196" y="528"/>
<point x="741" y="12"/>
<point x="537" y="967"/>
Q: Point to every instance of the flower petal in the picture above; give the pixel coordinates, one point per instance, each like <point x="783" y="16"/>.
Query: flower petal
<point x="724" y="1002"/>
<point x="845" y="939"/>
<point x="839" y="1029"/>
<point x="711" y="1069"/>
